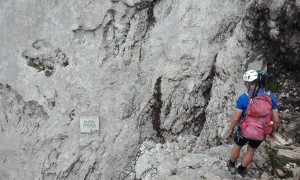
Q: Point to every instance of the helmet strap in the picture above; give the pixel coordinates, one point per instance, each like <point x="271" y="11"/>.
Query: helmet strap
<point x="257" y="86"/>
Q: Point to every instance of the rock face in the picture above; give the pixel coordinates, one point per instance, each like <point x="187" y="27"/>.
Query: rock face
<point x="293" y="153"/>
<point x="158" y="73"/>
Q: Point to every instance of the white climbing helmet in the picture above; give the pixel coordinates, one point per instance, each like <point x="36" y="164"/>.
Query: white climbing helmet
<point x="250" y="76"/>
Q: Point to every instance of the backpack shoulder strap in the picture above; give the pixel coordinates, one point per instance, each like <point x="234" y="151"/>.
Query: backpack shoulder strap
<point x="249" y="100"/>
<point x="247" y="94"/>
<point x="249" y="97"/>
<point x="269" y="94"/>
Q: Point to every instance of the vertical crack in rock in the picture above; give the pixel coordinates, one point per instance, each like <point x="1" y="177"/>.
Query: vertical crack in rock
<point x="129" y="108"/>
<point x="72" y="114"/>
<point x="91" y="170"/>
<point x="225" y="30"/>
<point x="149" y="121"/>
<point x="156" y="108"/>
<point x="168" y="107"/>
<point x="206" y="87"/>
<point x="109" y="26"/>
<point x="54" y="148"/>
<point x="150" y="13"/>
<point x="75" y="163"/>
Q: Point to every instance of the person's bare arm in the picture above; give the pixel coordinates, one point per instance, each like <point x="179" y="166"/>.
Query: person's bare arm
<point x="276" y="121"/>
<point x="236" y="117"/>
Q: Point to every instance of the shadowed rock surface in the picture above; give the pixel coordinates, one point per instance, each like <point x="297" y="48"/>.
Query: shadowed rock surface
<point x="163" y="76"/>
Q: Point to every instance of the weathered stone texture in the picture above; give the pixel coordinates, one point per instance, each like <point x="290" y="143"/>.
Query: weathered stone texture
<point x="160" y="71"/>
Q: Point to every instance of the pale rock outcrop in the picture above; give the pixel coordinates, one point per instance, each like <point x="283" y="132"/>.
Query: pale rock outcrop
<point x="162" y="76"/>
<point x="292" y="153"/>
<point x="170" y="161"/>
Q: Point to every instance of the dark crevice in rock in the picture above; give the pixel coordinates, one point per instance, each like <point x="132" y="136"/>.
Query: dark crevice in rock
<point x="168" y="108"/>
<point x="80" y="30"/>
<point x="128" y="26"/>
<point x="198" y="122"/>
<point x="71" y="167"/>
<point x="206" y="87"/>
<point x="156" y="108"/>
<point x="149" y="121"/>
<point x="109" y="25"/>
<point x="150" y="13"/>
<point x="71" y="115"/>
<point x="225" y="30"/>
<point x="282" y="49"/>
<point x="91" y="170"/>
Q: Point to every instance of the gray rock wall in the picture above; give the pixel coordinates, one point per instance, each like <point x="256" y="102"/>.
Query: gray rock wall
<point x="155" y="70"/>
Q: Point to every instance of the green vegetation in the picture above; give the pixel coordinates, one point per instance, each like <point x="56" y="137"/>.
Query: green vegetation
<point x="139" y="153"/>
<point x="36" y="66"/>
<point x="173" y="172"/>
<point x="273" y="86"/>
<point x="278" y="163"/>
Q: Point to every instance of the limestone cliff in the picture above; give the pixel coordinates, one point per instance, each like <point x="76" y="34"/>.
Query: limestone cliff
<point x="159" y="74"/>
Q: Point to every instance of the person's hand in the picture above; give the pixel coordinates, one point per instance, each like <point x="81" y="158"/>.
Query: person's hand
<point x="272" y="135"/>
<point x="230" y="132"/>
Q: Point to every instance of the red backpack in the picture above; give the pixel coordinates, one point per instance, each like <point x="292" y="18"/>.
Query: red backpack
<point x="257" y="123"/>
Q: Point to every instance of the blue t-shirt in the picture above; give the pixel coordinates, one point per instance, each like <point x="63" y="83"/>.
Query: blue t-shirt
<point x="242" y="101"/>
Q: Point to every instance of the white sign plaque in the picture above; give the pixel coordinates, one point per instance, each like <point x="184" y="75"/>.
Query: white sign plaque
<point x="89" y="124"/>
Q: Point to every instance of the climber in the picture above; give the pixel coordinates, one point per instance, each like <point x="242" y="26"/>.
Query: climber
<point x="254" y="82"/>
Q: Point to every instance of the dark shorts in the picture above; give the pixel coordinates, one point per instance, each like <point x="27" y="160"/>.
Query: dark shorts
<point x="241" y="141"/>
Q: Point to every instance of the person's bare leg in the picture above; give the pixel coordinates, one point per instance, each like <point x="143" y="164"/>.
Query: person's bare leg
<point x="248" y="156"/>
<point x="235" y="153"/>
